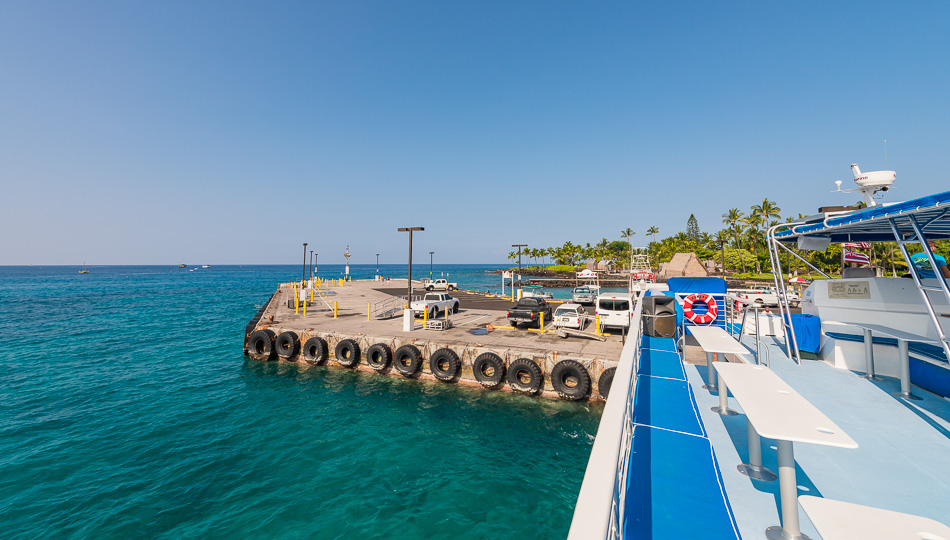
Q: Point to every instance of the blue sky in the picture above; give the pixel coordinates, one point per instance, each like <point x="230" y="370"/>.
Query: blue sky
<point x="231" y="132"/>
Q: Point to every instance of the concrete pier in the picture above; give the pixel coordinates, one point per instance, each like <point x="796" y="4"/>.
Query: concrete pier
<point x="356" y="299"/>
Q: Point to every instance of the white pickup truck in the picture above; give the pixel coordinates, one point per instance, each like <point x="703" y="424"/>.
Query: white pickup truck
<point x="433" y="303"/>
<point x="763" y="296"/>
<point x="439" y="285"/>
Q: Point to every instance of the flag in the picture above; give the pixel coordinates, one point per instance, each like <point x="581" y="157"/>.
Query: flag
<point x="857" y="245"/>
<point x="855" y="257"/>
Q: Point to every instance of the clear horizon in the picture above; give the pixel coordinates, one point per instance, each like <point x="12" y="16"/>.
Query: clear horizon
<point x="140" y="133"/>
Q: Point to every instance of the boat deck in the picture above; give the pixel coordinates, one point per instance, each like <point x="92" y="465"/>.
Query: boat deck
<point x="901" y="463"/>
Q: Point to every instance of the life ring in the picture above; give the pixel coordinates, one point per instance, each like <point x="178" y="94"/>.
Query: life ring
<point x="711" y="310"/>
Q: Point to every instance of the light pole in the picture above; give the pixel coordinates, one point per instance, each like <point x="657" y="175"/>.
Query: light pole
<point x="311" y="264"/>
<point x="430" y="265"/>
<point x="316" y="263"/>
<point x="377" y="266"/>
<point x="303" y="271"/>
<point x="410" y="230"/>
<point x="347" y="255"/>
<point x="519" y="246"/>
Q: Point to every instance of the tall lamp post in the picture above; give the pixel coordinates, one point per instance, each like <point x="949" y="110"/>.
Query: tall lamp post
<point x="303" y="271"/>
<point x="316" y="263"/>
<point x="347" y="256"/>
<point x="410" y="230"/>
<point x="430" y="265"/>
<point x="311" y="264"/>
<point x="519" y="246"/>
<point x="377" y="267"/>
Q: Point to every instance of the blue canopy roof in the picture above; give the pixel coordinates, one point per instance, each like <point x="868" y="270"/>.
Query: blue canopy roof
<point x="932" y="214"/>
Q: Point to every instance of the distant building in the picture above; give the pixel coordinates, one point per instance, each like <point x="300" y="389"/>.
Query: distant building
<point x="604" y="265"/>
<point x="683" y="265"/>
<point x="713" y="266"/>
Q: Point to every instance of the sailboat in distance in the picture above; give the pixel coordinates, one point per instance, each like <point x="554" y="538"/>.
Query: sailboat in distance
<point x="84" y="271"/>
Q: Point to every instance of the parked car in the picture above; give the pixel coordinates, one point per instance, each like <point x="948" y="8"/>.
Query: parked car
<point x="570" y="316"/>
<point x="529" y="310"/>
<point x="585" y="294"/>
<point x="615" y="309"/>
<point x="433" y="303"/>
<point x="439" y="285"/>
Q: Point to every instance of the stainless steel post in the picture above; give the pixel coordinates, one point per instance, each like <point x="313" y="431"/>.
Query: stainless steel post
<point x="710" y="374"/>
<point x="723" y="407"/>
<point x="903" y="355"/>
<point x="754" y="468"/>
<point x="869" y="356"/>
<point x="788" y="494"/>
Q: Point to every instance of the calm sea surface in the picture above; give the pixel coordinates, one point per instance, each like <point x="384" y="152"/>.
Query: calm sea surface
<point x="128" y="410"/>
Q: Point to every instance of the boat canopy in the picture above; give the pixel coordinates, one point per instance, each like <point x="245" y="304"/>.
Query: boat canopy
<point x="932" y="214"/>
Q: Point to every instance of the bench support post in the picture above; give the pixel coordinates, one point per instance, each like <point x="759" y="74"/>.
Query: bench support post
<point x="869" y="356"/>
<point x="754" y="469"/>
<point x="723" y="407"/>
<point x="788" y="494"/>
<point x="903" y="355"/>
<point x="710" y="374"/>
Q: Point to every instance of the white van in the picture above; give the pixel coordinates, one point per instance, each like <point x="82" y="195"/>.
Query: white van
<point x="615" y="309"/>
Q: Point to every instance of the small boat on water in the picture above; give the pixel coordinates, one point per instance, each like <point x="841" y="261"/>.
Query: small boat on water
<point x="84" y="271"/>
<point x="535" y="291"/>
<point x="206" y="266"/>
<point x="182" y="266"/>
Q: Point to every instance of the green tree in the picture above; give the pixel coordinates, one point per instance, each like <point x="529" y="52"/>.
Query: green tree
<point x="733" y="218"/>
<point x="692" y="228"/>
<point x="627" y="233"/>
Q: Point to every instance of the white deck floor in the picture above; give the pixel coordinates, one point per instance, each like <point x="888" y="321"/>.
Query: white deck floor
<point x="902" y="462"/>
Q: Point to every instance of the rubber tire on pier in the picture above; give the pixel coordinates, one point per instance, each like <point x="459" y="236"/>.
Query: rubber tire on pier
<point x="570" y="380"/>
<point x="379" y="356"/>
<point x="481" y="366"/>
<point x="455" y="308"/>
<point x="260" y="346"/>
<point x="407" y="360"/>
<point x="450" y="361"/>
<point x="604" y="382"/>
<point x="287" y="344"/>
<point x="315" y="351"/>
<point x="525" y="377"/>
<point x="347" y="353"/>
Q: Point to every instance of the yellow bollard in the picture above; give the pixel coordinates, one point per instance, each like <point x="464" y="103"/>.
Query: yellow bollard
<point x="598" y="324"/>
<point x="368" y="310"/>
<point x="311" y="294"/>
<point x="296" y="300"/>
<point x="541" y="328"/>
<point x="334" y="309"/>
<point x="425" y="314"/>
<point x="305" y="306"/>
<point x="446" y="313"/>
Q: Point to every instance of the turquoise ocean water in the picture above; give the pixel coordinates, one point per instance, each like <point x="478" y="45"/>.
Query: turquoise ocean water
<point x="128" y="410"/>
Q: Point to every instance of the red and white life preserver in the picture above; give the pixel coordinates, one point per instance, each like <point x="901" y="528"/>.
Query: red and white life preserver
<point x="711" y="310"/>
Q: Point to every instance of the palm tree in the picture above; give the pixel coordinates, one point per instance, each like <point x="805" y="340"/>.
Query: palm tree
<point x="627" y="233"/>
<point x="734" y="218"/>
<point x="722" y="237"/>
<point x="543" y="252"/>
<point x="652" y="231"/>
<point x="753" y="234"/>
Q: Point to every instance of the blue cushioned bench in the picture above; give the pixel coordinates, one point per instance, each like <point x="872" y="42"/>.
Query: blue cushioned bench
<point x="673" y="485"/>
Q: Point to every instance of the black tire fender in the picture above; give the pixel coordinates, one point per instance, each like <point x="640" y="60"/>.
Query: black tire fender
<point x="260" y="346"/>
<point x="604" y="382"/>
<point x="407" y="360"/>
<point x="347" y="353"/>
<point x="445" y="364"/>
<point x="570" y="380"/>
<point x="525" y="376"/>
<point x="315" y="351"/>
<point x="379" y="356"/>
<point x="489" y="370"/>
<point x="287" y="344"/>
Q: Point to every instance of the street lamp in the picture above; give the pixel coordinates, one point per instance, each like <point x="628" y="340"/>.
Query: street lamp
<point x="377" y="266"/>
<point x="316" y="263"/>
<point x="303" y="271"/>
<point x="410" y="230"/>
<point x="430" y="265"/>
<point x="519" y="246"/>
<point x="311" y="264"/>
